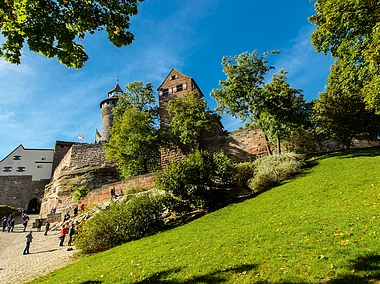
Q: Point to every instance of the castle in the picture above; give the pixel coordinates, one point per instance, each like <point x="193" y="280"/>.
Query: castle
<point x="36" y="179"/>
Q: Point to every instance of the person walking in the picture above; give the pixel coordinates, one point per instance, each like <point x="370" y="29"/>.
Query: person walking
<point x="4" y="223"/>
<point x="10" y="218"/>
<point x="71" y="234"/>
<point x="47" y="227"/>
<point x="25" y="222"/>
<point x="29" y="239"/>
<point x="12" y="224"/>
<point x="76" y="210"/>
<point x="62" y="235"/>
<point x="66" y="217"/>
<point x="39" y="224"/>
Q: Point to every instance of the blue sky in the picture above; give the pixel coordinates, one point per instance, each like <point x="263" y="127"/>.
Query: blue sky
<point x="42" y="101"/>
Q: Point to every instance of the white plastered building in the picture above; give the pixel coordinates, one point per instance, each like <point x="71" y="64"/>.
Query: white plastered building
<point x="37" y="163"/>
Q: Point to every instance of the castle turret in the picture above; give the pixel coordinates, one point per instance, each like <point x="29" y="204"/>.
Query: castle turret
<point x="174" y="86"/>
<point x="106" y="107"/>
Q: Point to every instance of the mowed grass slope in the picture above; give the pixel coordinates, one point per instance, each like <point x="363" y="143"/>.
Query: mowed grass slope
<point x="322" y="226"/>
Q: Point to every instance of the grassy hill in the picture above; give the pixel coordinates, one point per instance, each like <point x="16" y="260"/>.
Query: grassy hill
<point x="322" y="226"/>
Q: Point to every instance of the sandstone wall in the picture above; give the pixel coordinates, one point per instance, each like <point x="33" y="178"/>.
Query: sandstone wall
<point x="16" y="191"/>
<point x="102" y="195"/>
<point x="81" y="156"/>
<point x="63" y="201"/>
<point x="240" y="146"/>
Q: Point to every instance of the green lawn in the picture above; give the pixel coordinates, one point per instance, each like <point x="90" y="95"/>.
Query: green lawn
<point x="320" y="227"/>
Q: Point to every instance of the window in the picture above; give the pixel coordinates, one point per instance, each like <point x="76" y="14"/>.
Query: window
<point x="39" y="167"/>
<point x="165" y="92"/>
<point x="179" y="88"/>
<point x="7" y="169"/>
<point x="21" y="169"/>
<point x="174" y="77"/>
<point x="43" y="159"/>
<point x="17" y="157"/>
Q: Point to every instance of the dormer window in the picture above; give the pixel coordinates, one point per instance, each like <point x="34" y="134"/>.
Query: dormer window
<point x="16" y="157"/>
<point x="174" y="77"/>
<point x="179" y="88"/>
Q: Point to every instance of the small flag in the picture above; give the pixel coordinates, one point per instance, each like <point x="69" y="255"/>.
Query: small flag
<point x="80" y="137"/>
<point x="97" y="135"/>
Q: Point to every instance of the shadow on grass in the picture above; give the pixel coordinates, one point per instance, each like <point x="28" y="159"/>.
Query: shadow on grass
<point x="91" y="282"/>
<point x="354" y="153"/>
<point x="365" y="269"/>
<point x="219" y="276"/>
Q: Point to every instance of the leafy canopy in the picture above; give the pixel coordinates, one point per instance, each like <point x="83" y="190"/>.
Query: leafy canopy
<point x="284" y="109"/>
<point x="274" y="106"/>
<point x="191" y="118"/>
<point x="54" y="28"/>
<point x="350" y="31"/>
<point x="342" y="114"/>
<point x="134" y="145"/>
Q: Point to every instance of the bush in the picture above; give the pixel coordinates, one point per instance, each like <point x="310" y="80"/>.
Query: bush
<point x="273" y="169"/>
<point x="123" y="222"/>
<point x="199" y="180"/>
<point x="79" y="192"/>
<point x="243" y="173"/>
<point x="5" y="210"/>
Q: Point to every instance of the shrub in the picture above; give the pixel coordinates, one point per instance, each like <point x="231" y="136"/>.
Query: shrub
<point x="198" y="180"/>
<point x="5" y="210"/>
<point x="79" y="192"/>
<point x="243" y="173"/>
<point x="122" y="222"/>
<point x="273" y="169"/>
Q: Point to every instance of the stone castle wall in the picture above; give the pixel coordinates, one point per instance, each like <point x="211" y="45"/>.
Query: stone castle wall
<point x="63" y="201"/>
<point x="102" y="195"/>
<point x="240" y="146"/>
<point x="83" y="164"/>
<point x="81" y="156"/>
<point x="16" y="191"/>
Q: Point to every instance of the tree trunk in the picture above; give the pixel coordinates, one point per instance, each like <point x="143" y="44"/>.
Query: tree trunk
<point x="268" y="147"/>
<point x="278" y="144"/>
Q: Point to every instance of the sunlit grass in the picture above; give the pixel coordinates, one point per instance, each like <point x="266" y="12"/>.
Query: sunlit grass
<point x="322" y="226"/>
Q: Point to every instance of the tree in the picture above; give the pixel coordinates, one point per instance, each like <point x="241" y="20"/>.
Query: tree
<point x="342" y="114"/>
<point x="240" y="94"/>
<point x="272" y="107"/>
<point x="191" y="119"/>
<point x="350" y="31"/>
<point x="54" y="27"/>
<point x="134" y="145"/>
<point x="284" y="108"/>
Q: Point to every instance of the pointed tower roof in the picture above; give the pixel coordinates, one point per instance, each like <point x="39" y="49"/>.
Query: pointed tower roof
<point x="115" y="89"/>
<point x="176" y="72"/>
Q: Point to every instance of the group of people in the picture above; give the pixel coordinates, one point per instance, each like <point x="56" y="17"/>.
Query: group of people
<point x="8" y="223"/>
<point x="66" y="229"/>
<point x="113" y="194"/>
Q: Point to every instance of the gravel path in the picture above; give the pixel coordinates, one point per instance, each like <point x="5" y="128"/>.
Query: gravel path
<point x="45" y="253"/>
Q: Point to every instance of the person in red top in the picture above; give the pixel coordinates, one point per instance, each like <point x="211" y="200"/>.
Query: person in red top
<point x="62" y="235"/>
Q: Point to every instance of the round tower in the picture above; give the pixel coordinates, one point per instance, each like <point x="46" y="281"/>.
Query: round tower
<point x="106" y="107"/>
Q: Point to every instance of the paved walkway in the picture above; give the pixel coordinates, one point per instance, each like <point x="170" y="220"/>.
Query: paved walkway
<point x="45" y="253"/>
